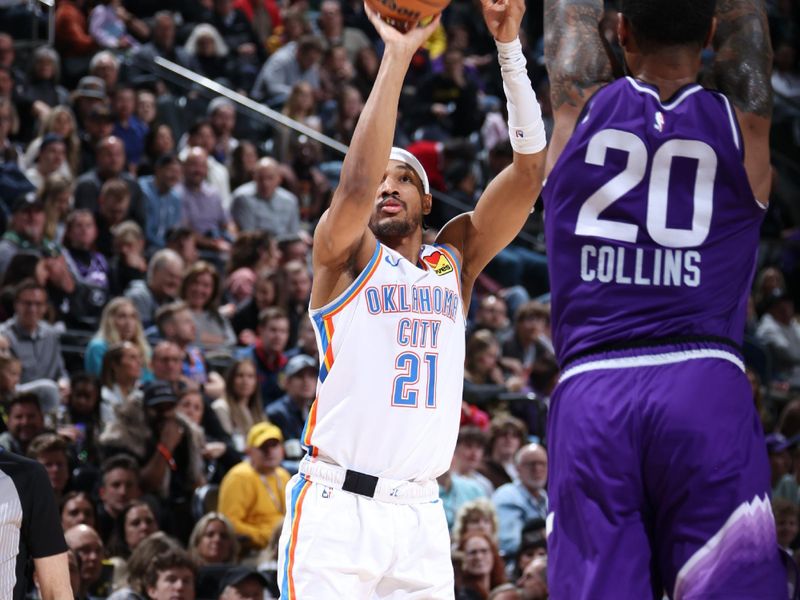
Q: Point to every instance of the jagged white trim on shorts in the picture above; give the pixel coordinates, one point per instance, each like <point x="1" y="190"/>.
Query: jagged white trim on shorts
<point x="649" y="360"/>
<point x="748" y="514"/>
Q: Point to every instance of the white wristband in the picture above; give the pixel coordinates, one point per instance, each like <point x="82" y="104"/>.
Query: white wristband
<point x="525" y="125"/>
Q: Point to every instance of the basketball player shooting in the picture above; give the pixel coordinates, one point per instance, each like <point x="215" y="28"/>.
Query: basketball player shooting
<point x="364" y="518"/>
<point x="659" y="478"/>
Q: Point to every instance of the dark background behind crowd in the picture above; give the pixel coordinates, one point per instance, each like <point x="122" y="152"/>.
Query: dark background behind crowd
<point x="155" y="350"/>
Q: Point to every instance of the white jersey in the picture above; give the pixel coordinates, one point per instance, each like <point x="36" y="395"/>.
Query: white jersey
<point x="390" y="384"/>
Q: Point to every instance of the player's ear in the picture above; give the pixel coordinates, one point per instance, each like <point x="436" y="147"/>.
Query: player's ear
<point x="624" y="33"/>
<point x="427" y="203"/>
<point x="711" y="33"/>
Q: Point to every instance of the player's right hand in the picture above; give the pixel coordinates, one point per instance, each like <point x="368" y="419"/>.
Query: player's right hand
<point x="408" y="42"/>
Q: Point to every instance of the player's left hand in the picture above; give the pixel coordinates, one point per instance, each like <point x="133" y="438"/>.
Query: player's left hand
<point x="503" y="18"/>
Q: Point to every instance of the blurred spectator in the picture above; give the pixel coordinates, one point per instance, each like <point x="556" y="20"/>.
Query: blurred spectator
<point x="25" y="231"/>
<point x="162" y="200"/>
<point x="105" y="66"/>
<point x="113" y="205"/>
<point x="209" y="51"/>
<point x="237" y="30"/>
<point x="118" y="487"/>
<point x="201" y="134"/>
<point x="133" y="582"/>
<point x="120" y="376"/>
<point x="530" y="340"/>
<point x="505" y="591"/>
<point x="110" y="160"/>
<point x="79" y="420"/>
<point x="159" y="141"/>
<point x="50" y="160"/>
<point x="478" y="515"/>
<point x="128" y="127"/>
<point x="34" y="341"/>
<point x="50" y="451"/>
<point x="300" y="106"/>
<point x="42" y="84"/>
<point x="290" y="411"/>
<point x="201" y="204"/>
<point x="56" y="196"/>
<point x="77" y="508"/>
<point x="135" y="523"/>
<point x="533" y="581"/>
<point x="109" y="23"/>
<point x="88" y="267"/>
<point x="164" y="275"/>
<point x="170" y="576"/>
<point x="482" y="568"/>
<point x="243" y="163"/>
<point x="251" y="252"/>
<point x="492" y="314"/>
<point x="95" y="580"/>
<point x="201" y="292"/>
<point x="522" y="500"/>
<point x="468" y="456"/>
<point x="334" y="33"/>
<point x="268" y="351"/>
<point x="61" y="122"/>
<point x="89" y="96"/>
<point x="72" y="38"/>
<point x="298" y="294"/>
<point x="506" y="436"/>
<point x="222" y="116"/>
<point x="484" y="377"/>
<point x="25" y="421"/>
<point x="242" y="583"/>
<point x="118" y="323"/>
<point x="268" y="291"/>
<point x="296" y="61"/>
<point x="146" y="109"/>
<point x="252" y="493"/>
<point x="240" y="407"/>
<point x="213" y="540"/>
<point x="263" y="205"/>
<point x="349" y="104"/>
<point x="128" y="262"/>
<point x="162" y="45"/>
<point x="454" y="492"/>
<point x="98" y="124"/>
<point x="779" y="331"/>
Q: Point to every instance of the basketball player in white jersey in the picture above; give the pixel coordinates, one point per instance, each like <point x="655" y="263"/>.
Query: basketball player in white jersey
<point x="364" y="519"/>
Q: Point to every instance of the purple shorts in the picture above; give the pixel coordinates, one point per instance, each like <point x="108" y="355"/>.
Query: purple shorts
<point x="659" y="480"/>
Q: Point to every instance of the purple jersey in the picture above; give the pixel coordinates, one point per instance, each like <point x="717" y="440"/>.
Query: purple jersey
<point x="652" y="227"/>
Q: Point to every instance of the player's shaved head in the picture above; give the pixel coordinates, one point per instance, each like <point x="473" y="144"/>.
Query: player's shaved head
<point x="658" y="23"/>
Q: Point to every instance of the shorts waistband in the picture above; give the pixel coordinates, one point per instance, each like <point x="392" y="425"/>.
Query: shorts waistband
<point x="648" y="356"/>
<point x="394" y="491"/>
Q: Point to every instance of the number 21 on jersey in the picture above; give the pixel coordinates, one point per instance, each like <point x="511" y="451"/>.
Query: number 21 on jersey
<point x="406" y="388"/>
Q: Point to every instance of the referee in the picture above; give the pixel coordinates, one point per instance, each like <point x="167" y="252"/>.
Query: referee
<point x="30" y="528"/>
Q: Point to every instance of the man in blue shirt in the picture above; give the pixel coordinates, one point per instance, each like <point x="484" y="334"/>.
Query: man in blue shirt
<point x="162" y="200"/>
<point x="522" y="500"/>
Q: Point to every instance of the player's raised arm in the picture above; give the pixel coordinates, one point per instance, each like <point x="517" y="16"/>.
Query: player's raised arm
<point x="343" y="227"/>
<point x="741" y="71"/>
<point x="577" y="63"/>
<point x="506" y="203"/>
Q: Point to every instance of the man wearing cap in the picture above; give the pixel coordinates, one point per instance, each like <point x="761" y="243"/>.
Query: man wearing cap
<point x="263" y="205"/>
<point x="252" y="493"/>
<point x="242" y="583"/>
<point x="26" y="231"/>
<point x="51" y="159"/>
<point x="90" y="93"/>
<point x="98" y="124"/>
<point x="290" y="411"/>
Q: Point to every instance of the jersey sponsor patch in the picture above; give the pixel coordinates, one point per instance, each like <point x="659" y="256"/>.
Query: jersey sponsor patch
<point x="439" y="263"/>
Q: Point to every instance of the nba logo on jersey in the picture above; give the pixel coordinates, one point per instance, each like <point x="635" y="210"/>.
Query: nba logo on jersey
<point x="659" y="124"/>
<point x="519" y="133"/>
<point x="439" y="263"/>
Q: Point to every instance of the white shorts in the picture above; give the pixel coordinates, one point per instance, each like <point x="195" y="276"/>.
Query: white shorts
<point x="338" y="545"/>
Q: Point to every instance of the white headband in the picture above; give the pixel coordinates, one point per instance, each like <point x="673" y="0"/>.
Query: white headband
<point x="404" y="156"/>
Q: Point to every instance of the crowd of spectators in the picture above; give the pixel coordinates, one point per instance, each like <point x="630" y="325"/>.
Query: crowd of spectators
<point x="155" y="350"/>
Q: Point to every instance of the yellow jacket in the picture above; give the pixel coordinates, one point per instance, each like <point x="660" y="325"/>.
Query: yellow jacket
<point x="246" y="501"/>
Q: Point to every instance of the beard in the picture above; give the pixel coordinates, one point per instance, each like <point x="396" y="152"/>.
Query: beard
<point x="384" y="228"/>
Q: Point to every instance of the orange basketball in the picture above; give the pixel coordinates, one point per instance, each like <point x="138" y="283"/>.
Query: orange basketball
<point x="402" y="14"/>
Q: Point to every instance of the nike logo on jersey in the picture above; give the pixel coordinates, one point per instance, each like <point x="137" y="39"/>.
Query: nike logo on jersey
<point x="393" y="261"/>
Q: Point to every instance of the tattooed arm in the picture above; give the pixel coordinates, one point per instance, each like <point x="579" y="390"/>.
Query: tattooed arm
<point x="577" y="63"/>
<point x="741" y="71"/>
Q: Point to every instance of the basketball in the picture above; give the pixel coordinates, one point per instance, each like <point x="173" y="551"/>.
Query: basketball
<point x="403" y="14"/>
